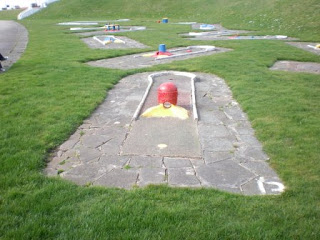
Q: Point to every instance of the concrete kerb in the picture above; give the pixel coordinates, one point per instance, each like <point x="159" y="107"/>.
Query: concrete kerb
<point x="150" y="79"/>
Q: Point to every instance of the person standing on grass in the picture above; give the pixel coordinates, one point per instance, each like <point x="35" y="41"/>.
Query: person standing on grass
<point x="2" y="58"/>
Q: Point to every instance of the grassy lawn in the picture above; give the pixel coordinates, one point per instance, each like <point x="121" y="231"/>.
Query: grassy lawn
<point x="47" y="94"/>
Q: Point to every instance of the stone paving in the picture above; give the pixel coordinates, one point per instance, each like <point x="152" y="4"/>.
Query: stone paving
<point x="304" y="46"/>
<point x="13" y="41"/>
<point x="128" y="43"/>
<point x="231" y="157"/>
<point x="139" y="61"/>
<point x="293" y="66"/>
<point x="222" y="33"/>
<point x="103" y="32"/>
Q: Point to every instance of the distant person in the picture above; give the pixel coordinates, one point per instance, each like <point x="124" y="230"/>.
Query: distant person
<point x="2" y="58"/>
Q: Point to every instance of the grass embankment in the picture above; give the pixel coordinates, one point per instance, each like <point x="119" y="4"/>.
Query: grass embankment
<point x="49" y="91"/>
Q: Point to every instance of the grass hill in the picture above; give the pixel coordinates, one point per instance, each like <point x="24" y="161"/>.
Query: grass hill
<point x="291" y="17"/>
<point x="47" y="94"/>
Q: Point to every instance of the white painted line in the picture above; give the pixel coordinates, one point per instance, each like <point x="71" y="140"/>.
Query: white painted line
<point x="260" y="182"/>
<point x="280" y="187"/>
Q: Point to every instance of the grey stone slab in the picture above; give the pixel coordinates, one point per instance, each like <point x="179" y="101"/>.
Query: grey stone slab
<point x="113" y="161"/>
<point x="94" y="141"/>
<point x="112" y="147"/>
<point x="128" y="43"/>
<point x="218" y="144"/>
<point x="152" y="176"/>
<point x="177" y="162"/>
<point x="163" y="137"/>
<point x="208" y="117"/>
<point x="251" y="188"/>
<point x="89" y="154"/>
<point x="304" y="46"/>
<point x="139" y="61"/>
<point x="212" y="130"/>
<point x="71" y="142"/>
<point x="263" y="186"/>
<point x="250" y="141"/>
<point x="229" y="158"/>
<point x="241" y="128"/>
<point x="235" y="113"/>
<point x="197" y="162"/>
<point x="224" y="174"/>
<point x="120" y="178"/>
<point x="89" y="172"/>
<point x="183" y="177"/>
<point x="145" y="161"/>
<point x="212" y="157"/>
<point x="260" y="168"/>
<point x="256" y="154"/>
<point x="293" y="66"/>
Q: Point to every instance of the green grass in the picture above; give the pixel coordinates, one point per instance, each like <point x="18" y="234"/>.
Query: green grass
<point x="47" y="94"/>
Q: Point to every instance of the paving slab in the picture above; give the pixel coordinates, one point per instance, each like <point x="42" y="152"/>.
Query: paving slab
<point x="121" y="178"/>
<point x="127" y="43"/>
<point x="219" y="151"/>
<point x="13" y="41"/>
<point x="87" y="33"/>
<point x="143" y="60"/>
<point x="153" y="176"/>
<point x="293" y="66"/>
<point x="305" y="46"/>
<point x="169" y="137"/>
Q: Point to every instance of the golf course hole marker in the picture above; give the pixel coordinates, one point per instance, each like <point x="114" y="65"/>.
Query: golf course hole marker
<point x="218" y="151"/>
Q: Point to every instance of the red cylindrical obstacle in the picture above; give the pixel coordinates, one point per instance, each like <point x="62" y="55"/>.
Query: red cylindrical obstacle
<point x="168" y="92"/>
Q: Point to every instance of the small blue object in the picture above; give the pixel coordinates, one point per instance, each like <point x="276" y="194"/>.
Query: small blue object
<point x="162" y="48"/>
<point x="165" y="20"/>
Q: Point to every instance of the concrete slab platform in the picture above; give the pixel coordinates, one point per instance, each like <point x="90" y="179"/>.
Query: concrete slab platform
<point x="141" y="60"/>
<point x="305" y="46"/>
<point x="168" y="137"/>
<point x="88" y="33"/>
<point x="293" y="66"/>
<point x="111" y="150"/>
<point x="222" y="33"/>
<point x="128" y="43"/>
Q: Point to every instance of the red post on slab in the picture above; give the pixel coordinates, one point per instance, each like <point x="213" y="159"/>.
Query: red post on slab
<point x="168" y="92"/>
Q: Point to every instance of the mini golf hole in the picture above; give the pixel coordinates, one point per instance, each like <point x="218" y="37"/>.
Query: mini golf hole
<point x="167" y="105"/>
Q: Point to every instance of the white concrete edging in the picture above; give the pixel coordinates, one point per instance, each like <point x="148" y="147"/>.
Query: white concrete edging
<point x="150" y="78"/>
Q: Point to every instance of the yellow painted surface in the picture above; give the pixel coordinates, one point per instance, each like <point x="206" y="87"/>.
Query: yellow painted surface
<point x="161" y="111"/>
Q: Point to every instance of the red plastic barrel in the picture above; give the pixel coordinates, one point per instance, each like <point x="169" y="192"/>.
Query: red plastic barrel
<point x="168" y="92"/>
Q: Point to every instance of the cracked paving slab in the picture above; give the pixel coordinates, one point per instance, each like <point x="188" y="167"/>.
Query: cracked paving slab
<point x="230" y="158"/>
<point x="293" y="66"/>
<point x="142" y="60"/>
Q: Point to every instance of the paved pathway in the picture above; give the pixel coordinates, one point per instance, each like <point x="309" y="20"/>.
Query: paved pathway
<point x="305" y="46"/>
<point x="231" y="158"/>
<point x="140" y="61"/>
<point x="293" y="66"/>
<point x="13" y="41"/>
<point x="128" y="43"/>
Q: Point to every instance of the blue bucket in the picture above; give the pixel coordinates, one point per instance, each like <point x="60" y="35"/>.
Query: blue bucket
<point x="164" y="20"/>
<point x="162" y="48"/>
